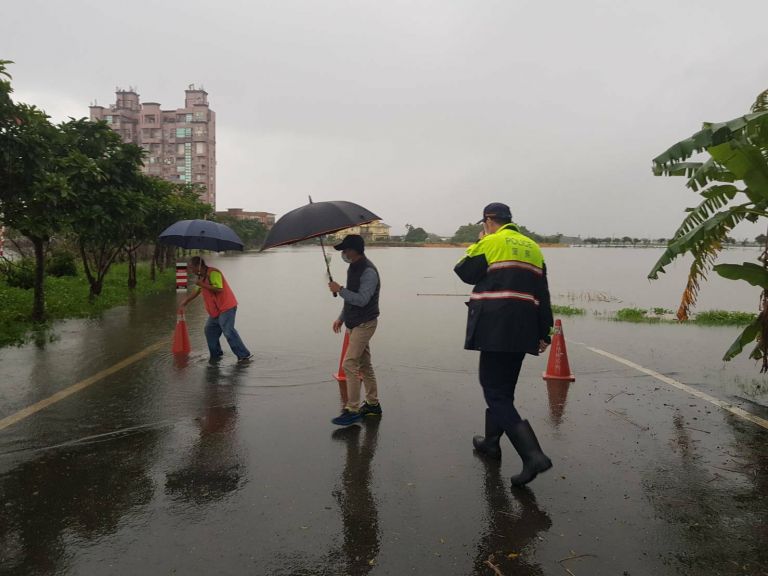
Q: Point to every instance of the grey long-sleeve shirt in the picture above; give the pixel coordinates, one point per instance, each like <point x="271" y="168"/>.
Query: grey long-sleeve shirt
<point x="368" y="282"/>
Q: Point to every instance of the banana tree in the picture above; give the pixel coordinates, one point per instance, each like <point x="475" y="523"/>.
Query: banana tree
<point x="732" y="183"/>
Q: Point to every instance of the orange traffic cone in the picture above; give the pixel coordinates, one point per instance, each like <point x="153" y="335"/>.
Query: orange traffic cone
<point x="557" y="366"/>
<point x="181" y="337"/>
<point x="340" y="376"/>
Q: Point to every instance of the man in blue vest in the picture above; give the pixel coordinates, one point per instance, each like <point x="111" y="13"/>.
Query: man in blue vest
<point x="509" y="316"/>
<point x="360" y="315"/>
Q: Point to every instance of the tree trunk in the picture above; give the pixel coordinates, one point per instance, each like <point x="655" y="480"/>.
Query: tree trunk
<point x="38" y="305"/>
<point x="131" y="269"/>
<point x="96" y="287"/>
<point x="153" y="265"/>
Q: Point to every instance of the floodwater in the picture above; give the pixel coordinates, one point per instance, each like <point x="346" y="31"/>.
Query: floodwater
<point x="606" y="279"/>
<point x="168" y="467"/>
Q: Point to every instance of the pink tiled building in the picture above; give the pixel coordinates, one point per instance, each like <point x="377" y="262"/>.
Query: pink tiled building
<point x="180" y="144"/>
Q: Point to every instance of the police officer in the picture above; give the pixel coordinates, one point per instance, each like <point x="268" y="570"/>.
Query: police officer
<point x="509" y="316"/>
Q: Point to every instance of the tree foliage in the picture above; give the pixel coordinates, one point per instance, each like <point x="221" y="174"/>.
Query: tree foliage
<point x="79" y="180"/>
<point x="470" y="232"/>
<point x="467" y="233"/>
<point x="414" y="234"/>
<point x="732" y="185"/>
<point x="251" y="232"/>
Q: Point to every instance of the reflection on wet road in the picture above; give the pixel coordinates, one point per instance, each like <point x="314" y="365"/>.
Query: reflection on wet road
<point x="178" y="467"/>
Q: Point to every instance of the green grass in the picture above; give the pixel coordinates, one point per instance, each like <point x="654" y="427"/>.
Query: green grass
<point x="67" y="297"/>
<point x="567" y="310"/>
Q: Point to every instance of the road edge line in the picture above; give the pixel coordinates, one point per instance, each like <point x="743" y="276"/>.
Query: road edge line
<point x="77" y="387"/>
<point x="735" y="410"/>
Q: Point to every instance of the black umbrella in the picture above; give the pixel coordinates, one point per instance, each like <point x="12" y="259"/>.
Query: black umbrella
<point x="316" y="219"/>
<point x="201" y="235"/>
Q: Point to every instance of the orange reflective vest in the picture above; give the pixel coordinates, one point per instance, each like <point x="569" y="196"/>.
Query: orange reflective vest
<point x="218" y="302"/>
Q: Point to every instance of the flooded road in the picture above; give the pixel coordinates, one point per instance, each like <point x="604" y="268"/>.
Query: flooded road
<point x="163" y="468"/>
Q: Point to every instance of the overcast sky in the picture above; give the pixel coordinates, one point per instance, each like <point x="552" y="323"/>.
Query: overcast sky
<point x="421" y="111"/>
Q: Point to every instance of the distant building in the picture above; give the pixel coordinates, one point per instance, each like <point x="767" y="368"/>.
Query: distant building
<point x="266" y="218"/>
<point x="180" y="144"/>
<point x="376" y="231"/>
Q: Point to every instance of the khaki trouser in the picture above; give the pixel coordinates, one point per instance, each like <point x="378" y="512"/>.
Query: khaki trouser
<point x="357" y="363"/>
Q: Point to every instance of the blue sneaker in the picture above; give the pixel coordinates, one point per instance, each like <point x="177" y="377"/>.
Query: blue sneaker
<point x="370" y="409"/>
<point x="347" y="418"/>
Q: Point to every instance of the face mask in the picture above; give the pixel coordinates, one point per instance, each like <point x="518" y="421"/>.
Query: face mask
<point x="345" y="259"/>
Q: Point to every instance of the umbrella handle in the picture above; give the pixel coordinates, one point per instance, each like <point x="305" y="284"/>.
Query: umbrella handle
<point x="325" y="258"/>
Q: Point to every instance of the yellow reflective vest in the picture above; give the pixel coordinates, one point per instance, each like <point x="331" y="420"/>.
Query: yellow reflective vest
<point x="509" y="308"/>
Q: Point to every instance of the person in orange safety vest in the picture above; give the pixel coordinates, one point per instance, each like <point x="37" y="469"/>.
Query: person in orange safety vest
<point x="221" y="305"/>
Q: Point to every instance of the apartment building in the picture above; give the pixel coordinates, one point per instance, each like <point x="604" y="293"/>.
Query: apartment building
<point x="180" y="144"/>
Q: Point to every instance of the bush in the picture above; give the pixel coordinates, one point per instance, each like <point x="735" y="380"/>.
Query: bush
<point x="61" y="264"/>
<point x="20" y="274"/>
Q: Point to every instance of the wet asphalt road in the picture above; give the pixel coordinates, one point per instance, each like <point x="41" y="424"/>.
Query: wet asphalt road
<point x="171" y="468"/>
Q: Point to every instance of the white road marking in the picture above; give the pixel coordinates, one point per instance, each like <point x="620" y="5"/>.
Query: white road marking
<point x="685" y="388"/>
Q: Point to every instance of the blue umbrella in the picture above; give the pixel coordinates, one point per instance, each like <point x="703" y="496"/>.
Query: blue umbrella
<point x="201" y="235"/>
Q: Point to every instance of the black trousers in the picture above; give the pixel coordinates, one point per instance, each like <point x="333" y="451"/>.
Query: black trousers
<point x="498" y="377"/>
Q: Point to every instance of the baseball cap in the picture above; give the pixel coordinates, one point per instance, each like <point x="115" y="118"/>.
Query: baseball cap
<point x="497" y="210"/>
<point x="352" y="241"/>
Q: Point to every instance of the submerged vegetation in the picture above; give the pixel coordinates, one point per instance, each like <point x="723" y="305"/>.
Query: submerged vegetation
<point x="658" y="314"/>
<point x="707" y="318"/>
<point x="567" y="310"/>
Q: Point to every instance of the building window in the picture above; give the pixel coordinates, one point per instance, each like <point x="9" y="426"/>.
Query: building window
<point x="150" y="119"/>
<point x="199" y="147"/>
<point x="183" y="132"/>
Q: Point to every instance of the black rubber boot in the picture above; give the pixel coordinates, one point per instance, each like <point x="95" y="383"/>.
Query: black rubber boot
<point x="488" y="445"/>
<point x="534" y="460"/>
